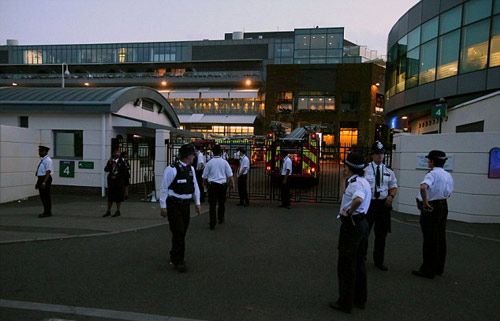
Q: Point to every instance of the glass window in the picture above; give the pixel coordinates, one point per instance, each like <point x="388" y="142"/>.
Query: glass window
<point x="334" y="53"/>
<point x="318" y="41"/>
<point x="302" y="42"/>
<point x="348" y="137"/>
<point x="349" y="102"/>
<point x="68" y="143"/>
<point x="427" y="70"/>
<point x="317" y="53"/>
<point x="301" y="53"/>
<point x="335" y="41"/>
<point x="495" y="42"/>
<point x="414" y="38"/>
<point x="334" y="60"/>
<point x="448" y="55"/>
<point x="474" y="53"/>
<point x="301" y="61"/>
<point x="450" y="20"/>
<point x="496" y="6"/>
<point x="302" y="103"/>
<point x="430" y="29"/>
<point x="330" y="103"/>
<point x="412" y="63"/>
<point x="475" y="10"/>
<point x="401" y="78"/>
<point x="317" y="60"/>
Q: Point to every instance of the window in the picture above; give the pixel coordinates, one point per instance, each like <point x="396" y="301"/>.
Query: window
<point x="475" y="10"/>
<point x="427" y="62"/>
<point x="285" y="108"/>
<point x="68" y="143"/>
<point x="414" y="38"/>
<point x="474" y="53"/>
<point x="495" y="42"/>
<point x="450" y="20"/>
<point x="448" y="55"/>
<point x="477" y="127"/>
<point x="303" y="42"/>
<point x="147" y="105"/>
<point x="348" y="136"/>
<point x="412" y="62"/>
<point x="335" y="41"/>
<point x="318" y="41"/>
<point x="316" y="103"/>
<point x="350" y="102"/>
<point x="430" y="30"/>
<point x="496" y="6"/>
<point x="23" y="121"/>
<point x="329" y="103"/>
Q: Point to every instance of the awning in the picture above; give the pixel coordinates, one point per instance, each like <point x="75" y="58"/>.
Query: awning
<point x="215" y="93"/>
<point x="180" y="93"/>
<point x="244" y="93"/>
<point x="217" y="119"/>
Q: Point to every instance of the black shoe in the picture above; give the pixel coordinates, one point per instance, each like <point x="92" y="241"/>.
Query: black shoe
<point x="247" y="204"/>
<point x="181" y="268"/>
<point x="240" y="204"/>
<point x="44" y="215"/>
<point x="336" y="306"/>
<point x="382" y="267"/>
<point x="108" y="213"/>
<point x="422" y="274"/>
<point x="221" y="221"/>
<point x="117" y="213"/>
<point x="360" y="305"/>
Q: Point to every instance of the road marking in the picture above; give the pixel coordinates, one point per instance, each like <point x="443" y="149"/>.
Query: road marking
<point x="90" y="312"/>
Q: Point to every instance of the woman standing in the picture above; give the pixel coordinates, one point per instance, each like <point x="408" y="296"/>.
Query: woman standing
<point x="117" y="173"/>
<point x="126" y="179"/>
<point x="353" y="238"/>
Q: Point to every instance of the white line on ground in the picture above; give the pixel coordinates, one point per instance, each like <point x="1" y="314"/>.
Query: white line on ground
<point x="90" y="312"/>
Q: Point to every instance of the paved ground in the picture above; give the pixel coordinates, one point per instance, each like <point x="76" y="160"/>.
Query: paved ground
<point x="264" y="263"/>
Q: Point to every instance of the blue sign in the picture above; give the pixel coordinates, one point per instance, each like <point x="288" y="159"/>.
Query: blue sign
<point x="494" y="169"/>
<point x="393" y="122"/>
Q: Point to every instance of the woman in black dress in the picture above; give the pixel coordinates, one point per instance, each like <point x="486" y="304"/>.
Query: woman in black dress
<point x="117" y="173"/>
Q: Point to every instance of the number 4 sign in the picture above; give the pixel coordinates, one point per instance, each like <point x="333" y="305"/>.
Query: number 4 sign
<point x="66" y="168"/>
<point x="438" y="111"/>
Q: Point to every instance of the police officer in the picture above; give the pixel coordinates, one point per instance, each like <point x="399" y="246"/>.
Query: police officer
<point x="243" y="178"/>
<point x="435" y="189"/>
<point x="217" y="173"/>
<point x="384" y="187"/>
<point x="286" y="172"/>
<point x="44" y="180"/>
<point x="353" y="237"/>
<point x="177" y="189"/>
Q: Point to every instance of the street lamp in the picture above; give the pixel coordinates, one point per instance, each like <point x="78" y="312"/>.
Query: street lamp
<point x="64" y="72"/>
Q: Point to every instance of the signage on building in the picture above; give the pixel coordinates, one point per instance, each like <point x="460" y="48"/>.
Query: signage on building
<point x="66" y="168"/>
<point x="86" y="165"/>
<point x="438" y="110"/>
<point x="421" y="162"/>
<point x="494" y="168"/>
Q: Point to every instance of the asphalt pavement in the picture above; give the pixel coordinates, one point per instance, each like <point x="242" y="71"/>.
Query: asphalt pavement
<point x="263" y="263"/>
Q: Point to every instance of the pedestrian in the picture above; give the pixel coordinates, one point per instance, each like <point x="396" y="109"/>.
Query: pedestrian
<point x="435" y="189"/>
<point x="199" y="167"/>
<point x="117" y="172"/>
<point x="44" y="180"/>
<point x="217" y="173"/>
<point x="243" y="178"/>
<point x="177" y="189"/>
<point x="224" y="154"/>
<point x="126" y="179"/>
<point x="384" y="187"/>
<point x="286" y="172"/>
<point x="353" y="237"/>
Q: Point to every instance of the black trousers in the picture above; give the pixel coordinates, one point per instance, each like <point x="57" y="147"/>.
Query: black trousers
<point x="199" y="180"/>
<point x="217" y="197"/>
<point x="242" y="189"/>
<point x="285" y="191"/>
<point x="379" y="218"/>
<point x="433" y="225"/>
<point x="178" y="219"/>
<point x="45" y="194"/>
<point x="351" y="269"/>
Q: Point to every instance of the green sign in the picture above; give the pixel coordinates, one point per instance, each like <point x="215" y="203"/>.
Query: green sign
<point x="66" y="168"/>
<point x="438" y="111"/>
<point x="86" y="165"/>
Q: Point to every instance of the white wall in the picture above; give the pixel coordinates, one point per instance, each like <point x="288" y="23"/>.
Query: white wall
<point x="18" y="162"/>
<point x="476" y="197"/>
<point x="161" y="157"/>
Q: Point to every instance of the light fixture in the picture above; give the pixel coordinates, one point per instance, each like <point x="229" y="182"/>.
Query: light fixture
<point x="404" y="117"/>
<point x="248" y="82"/>
<point x="86" y="84"/>
<point x="377" y="84"/>
<point x="14" y="84"/>
<point x="164" y="83"/>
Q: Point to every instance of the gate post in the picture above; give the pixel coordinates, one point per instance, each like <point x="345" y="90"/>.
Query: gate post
<point x="161" y="135"/>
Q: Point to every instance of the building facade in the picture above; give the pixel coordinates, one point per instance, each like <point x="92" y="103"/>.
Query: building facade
<point x="441" y="49"/>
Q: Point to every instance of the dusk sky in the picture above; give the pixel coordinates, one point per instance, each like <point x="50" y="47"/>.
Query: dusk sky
<point x="366" y="22"/>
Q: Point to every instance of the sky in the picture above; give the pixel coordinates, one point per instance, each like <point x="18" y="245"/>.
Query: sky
<point x="366" y="22"/>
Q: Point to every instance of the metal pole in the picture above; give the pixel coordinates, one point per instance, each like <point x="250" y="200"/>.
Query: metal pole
<point x="440" y="123"/>
<point x="62" y="75"/>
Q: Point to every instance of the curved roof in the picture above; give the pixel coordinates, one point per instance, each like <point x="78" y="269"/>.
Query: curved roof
<point x="109" y="99"/>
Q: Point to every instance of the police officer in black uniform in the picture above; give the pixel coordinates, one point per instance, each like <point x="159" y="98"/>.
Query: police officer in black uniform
<point x="177" y="189"/>
<point x="44" y="180"/>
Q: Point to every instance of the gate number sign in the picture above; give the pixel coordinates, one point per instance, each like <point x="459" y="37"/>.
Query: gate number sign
<point x="66" y="168"/>
<point x="438" y="111"/>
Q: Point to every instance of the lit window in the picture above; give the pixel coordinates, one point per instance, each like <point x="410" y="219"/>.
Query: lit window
<point x="68" y="143"/>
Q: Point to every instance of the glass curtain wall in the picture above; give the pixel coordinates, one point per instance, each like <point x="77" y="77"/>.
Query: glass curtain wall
<point x="318" y="46"/>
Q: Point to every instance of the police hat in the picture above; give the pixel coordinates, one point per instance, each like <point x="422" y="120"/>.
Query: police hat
<point x="44" y="148"/>
<point x="437" y="154"/>
<point x="355" y="160"/>
<point x="186" y="150"/>
<point x="377" y="148"/>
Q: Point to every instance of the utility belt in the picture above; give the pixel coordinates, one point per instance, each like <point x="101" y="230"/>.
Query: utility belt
<point x="215" y="183"/>
<point x="443" y="201"/>
<point x="177" y="200"/>
<point x="358" y="217"/>
<point x="420" y="204"/>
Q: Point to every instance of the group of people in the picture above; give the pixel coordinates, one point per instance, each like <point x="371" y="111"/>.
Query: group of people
<point x="367" y="203"/>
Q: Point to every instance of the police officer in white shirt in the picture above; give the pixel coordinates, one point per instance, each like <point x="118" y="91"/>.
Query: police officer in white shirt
<point x="353" y="237"/>
<point x="217" y="173"/>
<point x="435" y="189"/>
<point x="177" y="189"/>
<point x="199" y="165"/>
<point x="384" y="187"/>
<point x="44" y="180"/>
<point x="243" y="178"/>
<point x="286" y="172"/>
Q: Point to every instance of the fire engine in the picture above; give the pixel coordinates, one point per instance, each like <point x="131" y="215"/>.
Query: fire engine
<point x="303" y="144"/>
